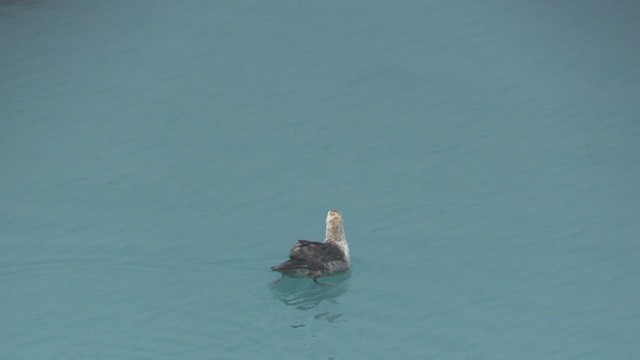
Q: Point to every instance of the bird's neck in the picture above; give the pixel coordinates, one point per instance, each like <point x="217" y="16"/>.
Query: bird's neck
<point x="335" y="235"/>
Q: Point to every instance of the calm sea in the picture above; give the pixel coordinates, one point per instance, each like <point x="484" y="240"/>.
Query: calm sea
<point x="156" y="157"/>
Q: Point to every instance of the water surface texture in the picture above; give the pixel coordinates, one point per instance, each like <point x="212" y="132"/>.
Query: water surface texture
<point x="157" y="157"/>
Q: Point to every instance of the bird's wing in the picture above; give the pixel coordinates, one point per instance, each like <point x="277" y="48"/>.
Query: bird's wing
<point x="315" y="255"/>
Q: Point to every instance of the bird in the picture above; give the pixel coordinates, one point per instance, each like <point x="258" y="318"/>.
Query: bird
<point x="317" y="259"/>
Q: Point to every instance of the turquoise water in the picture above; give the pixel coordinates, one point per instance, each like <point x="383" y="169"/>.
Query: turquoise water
<point x="157" y="157"/>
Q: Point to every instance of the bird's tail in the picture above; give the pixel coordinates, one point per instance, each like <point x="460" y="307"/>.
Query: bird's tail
<point x="292" y="267"/>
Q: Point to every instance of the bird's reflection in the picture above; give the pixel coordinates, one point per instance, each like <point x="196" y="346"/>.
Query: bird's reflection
<point x="305" y="294"/>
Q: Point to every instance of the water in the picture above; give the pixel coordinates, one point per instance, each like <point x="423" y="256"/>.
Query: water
<point x="157" y="157"/>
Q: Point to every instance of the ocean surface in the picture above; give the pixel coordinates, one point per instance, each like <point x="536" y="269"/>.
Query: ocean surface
<point x="157" y="157"/>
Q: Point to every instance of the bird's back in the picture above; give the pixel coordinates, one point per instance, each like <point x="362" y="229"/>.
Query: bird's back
<point x="314" y="259"/>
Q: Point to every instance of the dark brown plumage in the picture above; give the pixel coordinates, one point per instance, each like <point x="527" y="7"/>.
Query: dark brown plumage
<point x="313" y="259"/>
